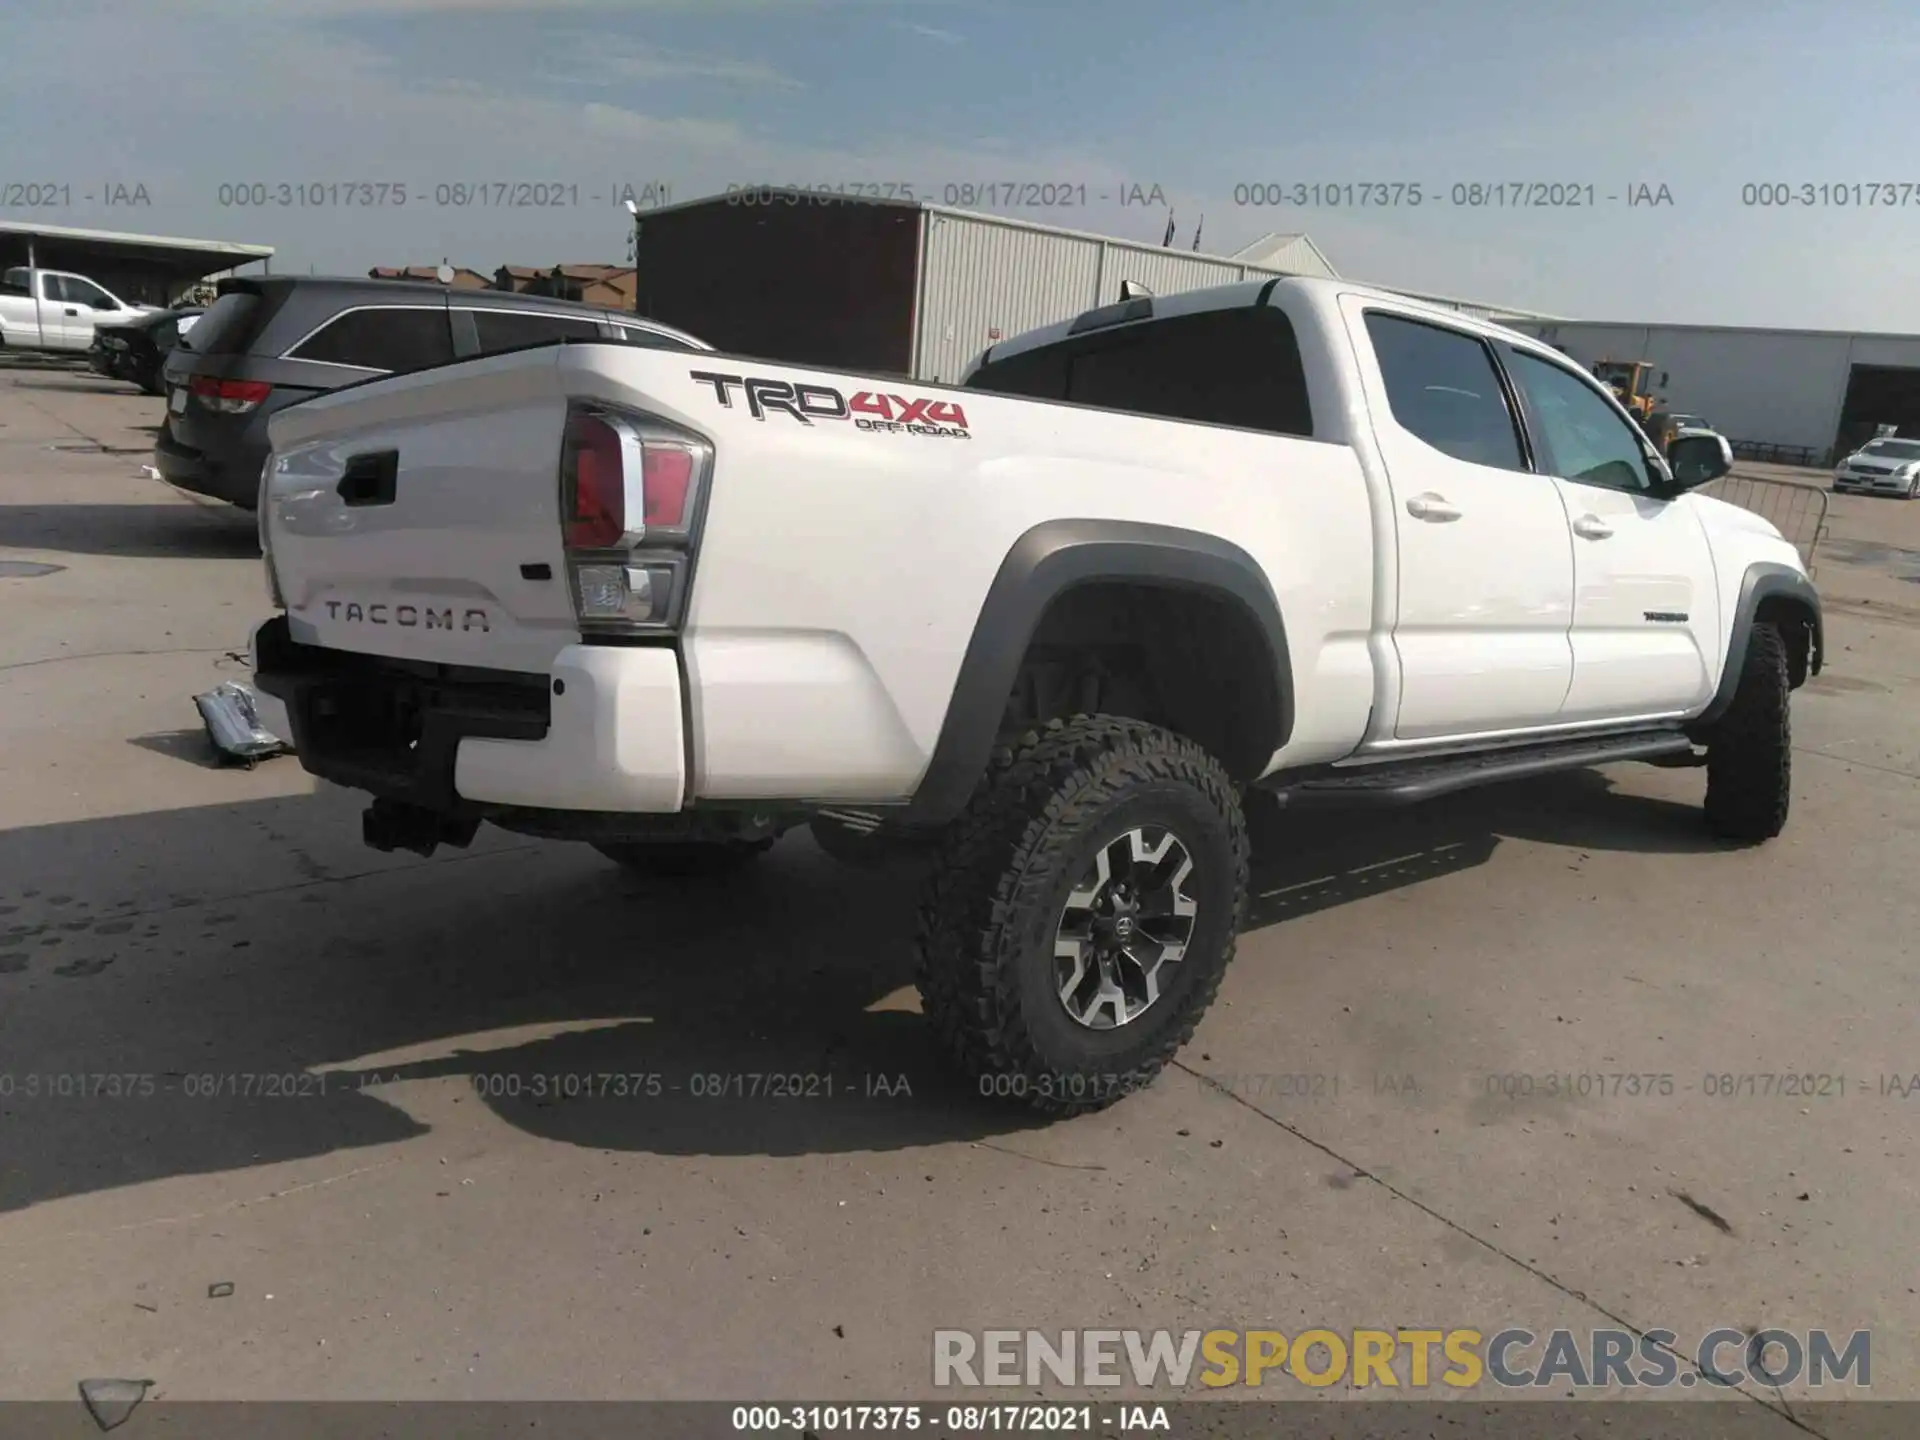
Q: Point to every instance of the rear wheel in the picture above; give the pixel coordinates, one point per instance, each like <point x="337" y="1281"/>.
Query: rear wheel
<point x="1750" y="752"/>
<point x="683" y="858"/>
<point x="1081" y="912"/>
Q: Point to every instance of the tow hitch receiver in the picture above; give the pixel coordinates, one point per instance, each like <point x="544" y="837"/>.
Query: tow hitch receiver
<point x="390" y="825"/>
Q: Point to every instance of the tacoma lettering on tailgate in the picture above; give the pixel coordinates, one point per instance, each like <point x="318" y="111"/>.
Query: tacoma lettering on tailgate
<point x="867" y="409"/>
<point x="410" y="617"/>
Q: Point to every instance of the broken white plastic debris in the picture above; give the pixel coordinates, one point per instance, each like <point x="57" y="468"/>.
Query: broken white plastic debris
<point x="110" y="1402"/>
<point x="233" y="724"/>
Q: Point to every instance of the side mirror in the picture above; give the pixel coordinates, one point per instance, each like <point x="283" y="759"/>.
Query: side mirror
<point x="1697" y="460"/>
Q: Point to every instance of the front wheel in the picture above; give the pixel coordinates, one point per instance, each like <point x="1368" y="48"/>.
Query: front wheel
<point x="681" y="859"/>
<point x="1750" y="750"/>
<point x="1081" y="912"/>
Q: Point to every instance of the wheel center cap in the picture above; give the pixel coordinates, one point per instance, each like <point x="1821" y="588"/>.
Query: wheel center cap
<point x="1123" y="927"/>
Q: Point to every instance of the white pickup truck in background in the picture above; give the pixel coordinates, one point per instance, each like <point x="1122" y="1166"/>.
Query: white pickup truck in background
<point x="57" y="310"/>
<point x="1297" y="534"/>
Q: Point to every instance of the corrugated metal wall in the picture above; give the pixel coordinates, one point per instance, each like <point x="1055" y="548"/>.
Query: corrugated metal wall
<point x="976" y="278"/>
<point x="1770" y="387"/>
<point x="1297" y="257"/>
<point x="1168" y="272"/>
<point x="982" y="281"/>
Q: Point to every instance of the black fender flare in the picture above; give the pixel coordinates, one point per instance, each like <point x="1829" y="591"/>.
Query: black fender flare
<point x="1765" y="580"/>
<point x="1044" y="564"/>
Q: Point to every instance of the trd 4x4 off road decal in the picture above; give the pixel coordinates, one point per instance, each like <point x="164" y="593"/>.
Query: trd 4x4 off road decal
<point x="868" y="410"/>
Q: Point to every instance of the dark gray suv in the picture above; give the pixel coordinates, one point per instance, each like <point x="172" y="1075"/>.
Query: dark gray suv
<point x="273" y="341"/>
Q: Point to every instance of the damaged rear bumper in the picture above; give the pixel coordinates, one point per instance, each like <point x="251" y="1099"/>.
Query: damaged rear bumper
<point x="602" y="730"/>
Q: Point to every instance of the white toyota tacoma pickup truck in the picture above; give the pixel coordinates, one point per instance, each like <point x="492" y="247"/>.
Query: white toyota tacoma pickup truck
<point x="1297" y="535"/>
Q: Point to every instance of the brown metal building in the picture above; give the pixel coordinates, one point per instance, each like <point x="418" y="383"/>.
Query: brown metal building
<point x="902" y="288"/>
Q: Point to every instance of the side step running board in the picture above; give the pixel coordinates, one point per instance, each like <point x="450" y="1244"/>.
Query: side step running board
<point x="1407" y="782"/>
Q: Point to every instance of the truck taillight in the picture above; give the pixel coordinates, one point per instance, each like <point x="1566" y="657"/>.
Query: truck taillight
<point x="230" y="397"/>
<point x="631" y="489"/>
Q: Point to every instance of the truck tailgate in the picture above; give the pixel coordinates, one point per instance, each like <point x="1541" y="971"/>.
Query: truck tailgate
<point x="419" y="516"/>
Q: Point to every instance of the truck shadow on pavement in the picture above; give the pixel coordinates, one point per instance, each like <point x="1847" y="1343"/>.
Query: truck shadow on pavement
<point x="167" y="529"/>
<point x="208" y="990"/>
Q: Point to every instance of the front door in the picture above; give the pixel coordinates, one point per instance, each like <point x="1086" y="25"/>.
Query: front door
<point x="60" y="324"/>
<point x="1645" y="608"/>
<point x="1485" y="566"/>
<point x="86" y="305"/>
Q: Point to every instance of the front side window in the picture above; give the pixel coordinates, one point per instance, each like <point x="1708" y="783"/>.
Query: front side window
<point x="1585" y="438"/>
<point x="76" y="291"/>
<point x="381" y="339"/>
<point x="1442" y="387"/>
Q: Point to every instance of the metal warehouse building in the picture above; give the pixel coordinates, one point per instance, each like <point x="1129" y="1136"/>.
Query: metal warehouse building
<point x="895" y="287"/>
<point x="1804" y="396"/>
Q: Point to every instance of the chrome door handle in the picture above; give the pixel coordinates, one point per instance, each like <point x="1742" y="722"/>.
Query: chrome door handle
<point x="1592" y="527"/>
<point x="1431" y="507"/>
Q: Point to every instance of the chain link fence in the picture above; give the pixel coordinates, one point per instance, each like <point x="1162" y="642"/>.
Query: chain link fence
<point x="1798" y="512"/>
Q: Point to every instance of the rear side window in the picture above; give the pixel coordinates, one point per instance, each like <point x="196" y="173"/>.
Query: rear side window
<point x="652" y="339"/>
<point x="226" y="326"/>
<point x="1220" y="367"/>
<point x="380" y="338"/>
<point x="511" y="329"/>
<point x="1442" y="387"/>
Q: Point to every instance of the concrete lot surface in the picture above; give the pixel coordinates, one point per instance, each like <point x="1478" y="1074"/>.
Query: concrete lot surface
<point x="347" y="1073"/>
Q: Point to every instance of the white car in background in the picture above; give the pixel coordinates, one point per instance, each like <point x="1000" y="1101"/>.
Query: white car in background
<point x="1887" y="466"/>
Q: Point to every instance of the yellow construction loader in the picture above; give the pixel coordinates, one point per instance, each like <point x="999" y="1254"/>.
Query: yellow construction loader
<point x="1632" y="381"/>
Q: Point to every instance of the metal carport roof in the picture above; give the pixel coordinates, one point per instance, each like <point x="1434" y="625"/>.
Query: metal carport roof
<point x="105" y="255"/>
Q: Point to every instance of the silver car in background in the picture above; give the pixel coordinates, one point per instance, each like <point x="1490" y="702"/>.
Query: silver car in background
<point x="1886" y="466"/>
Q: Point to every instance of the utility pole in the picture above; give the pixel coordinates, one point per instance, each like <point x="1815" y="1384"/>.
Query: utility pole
<point x="633" y="252"/>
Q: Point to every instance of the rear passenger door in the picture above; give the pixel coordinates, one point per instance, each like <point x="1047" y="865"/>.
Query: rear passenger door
<point x="1483" y="558"/>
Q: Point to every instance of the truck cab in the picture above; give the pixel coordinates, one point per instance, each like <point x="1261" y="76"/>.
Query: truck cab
<point x="57" y="310"/>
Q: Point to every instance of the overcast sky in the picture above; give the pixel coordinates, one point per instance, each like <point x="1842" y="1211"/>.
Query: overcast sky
<point x="182" y="97"/>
